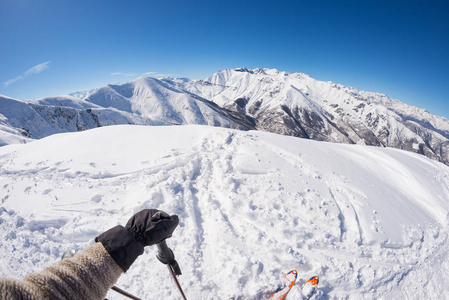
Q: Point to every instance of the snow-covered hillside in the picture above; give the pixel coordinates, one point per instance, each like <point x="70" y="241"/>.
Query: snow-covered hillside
<point x="144" y="101"/>
<point x="371" y="222"/>
<point x="24" y="121"/>
<point x="154" y="99"/>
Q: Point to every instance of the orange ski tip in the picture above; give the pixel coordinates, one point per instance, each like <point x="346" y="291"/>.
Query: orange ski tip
<point x="314" y="280"/>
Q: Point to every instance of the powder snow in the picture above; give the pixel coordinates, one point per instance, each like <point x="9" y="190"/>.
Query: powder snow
<point x="370" y="222"/>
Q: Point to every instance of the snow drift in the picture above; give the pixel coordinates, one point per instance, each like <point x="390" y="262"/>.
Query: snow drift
<point x="371" y="222"/>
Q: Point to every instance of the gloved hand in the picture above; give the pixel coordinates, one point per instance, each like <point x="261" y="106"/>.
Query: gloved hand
<point x="147" y="227"/>
<point x="152" y="226"/>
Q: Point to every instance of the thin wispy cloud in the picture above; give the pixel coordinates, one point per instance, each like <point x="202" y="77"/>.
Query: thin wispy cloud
<point x="149" y="73"/>
<point x="122" y="74"/>
<point x="34" y="70"/>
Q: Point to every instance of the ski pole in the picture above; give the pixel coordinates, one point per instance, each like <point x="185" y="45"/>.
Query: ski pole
<point x="124" y="293"/>
<point x="166" y="256"/>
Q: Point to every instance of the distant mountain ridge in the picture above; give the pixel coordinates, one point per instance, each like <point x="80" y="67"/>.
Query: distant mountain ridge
<point x="263" y="99"/>
<point x="298" y="105"/>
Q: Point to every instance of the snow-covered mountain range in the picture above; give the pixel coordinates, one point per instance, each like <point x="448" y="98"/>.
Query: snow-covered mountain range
<point x="298" y="105"/>
<point x="264" y="99"/>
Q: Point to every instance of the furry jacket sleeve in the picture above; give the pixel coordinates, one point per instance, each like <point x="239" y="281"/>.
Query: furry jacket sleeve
<point x="87" y="275"/>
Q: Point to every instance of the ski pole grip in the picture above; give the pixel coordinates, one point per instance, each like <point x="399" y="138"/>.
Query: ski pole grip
<point x="166" y="256"/>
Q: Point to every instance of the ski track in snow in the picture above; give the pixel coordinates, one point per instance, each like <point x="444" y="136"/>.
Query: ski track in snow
<point x="370" y="222"/>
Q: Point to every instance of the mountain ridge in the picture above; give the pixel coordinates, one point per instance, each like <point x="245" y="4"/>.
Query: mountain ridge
<point x="323" y="110"/>
<point x="270" y="100"/>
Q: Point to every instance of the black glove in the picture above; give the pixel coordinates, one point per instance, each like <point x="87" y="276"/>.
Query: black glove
<point x="147" y="227"/>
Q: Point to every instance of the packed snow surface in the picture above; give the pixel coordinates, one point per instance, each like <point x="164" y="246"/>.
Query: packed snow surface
<point x="371" y="222"/>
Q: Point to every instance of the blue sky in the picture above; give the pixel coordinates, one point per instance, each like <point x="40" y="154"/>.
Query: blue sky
<point x="399" y="48"/>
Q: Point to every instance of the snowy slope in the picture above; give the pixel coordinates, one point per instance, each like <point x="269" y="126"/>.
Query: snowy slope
<point x="23" y="121"/>
<point x="64" y="101"/>
<point x="82" y="94"/>
<point x="371" y="222"/>
<point x="144" y="101"/>
<point x="154" y="99"/>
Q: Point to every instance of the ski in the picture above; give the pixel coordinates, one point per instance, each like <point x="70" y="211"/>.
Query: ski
<point x="309" y="288"/>
<point x="291" y="278"/>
